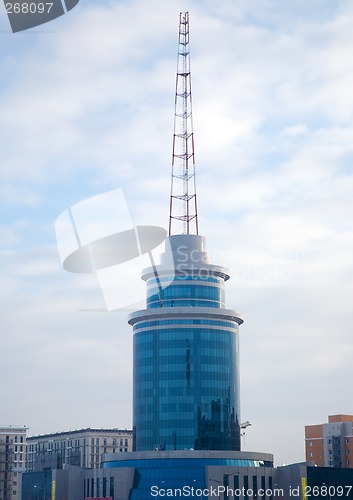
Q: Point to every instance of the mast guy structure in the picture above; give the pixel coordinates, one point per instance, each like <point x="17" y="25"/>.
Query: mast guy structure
<point x="183" y="205"/>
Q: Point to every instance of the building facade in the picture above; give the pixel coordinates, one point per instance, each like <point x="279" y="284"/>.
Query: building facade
<point x="186" y="370"/>
<point x="83" y="448"/>
<point x="12" y="460"/>
<point x="190" y="474"/>
<point x="331" y="444"/>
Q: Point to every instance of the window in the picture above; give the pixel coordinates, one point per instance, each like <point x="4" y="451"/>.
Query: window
<point x="347" y="440"/>
<point x="246" y="486"/>
<point x="254" y="482"/>
<point x="111" y="487"/>
<point x="311" y="454"/>
<point x="263" y="482"/>
<point x="311" y="443"/>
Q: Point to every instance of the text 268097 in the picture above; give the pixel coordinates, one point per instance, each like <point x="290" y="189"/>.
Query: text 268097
<point x="28" y="8"/>
<point x="327" y="491"/>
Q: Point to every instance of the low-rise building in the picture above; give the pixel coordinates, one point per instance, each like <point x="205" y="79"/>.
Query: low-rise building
<point x="12" y="460"/>
<point x="81" y="448"/>
<point x="190" y="474"/>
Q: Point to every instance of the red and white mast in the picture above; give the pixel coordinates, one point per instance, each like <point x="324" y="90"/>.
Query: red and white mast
<point x="183" y="206"/>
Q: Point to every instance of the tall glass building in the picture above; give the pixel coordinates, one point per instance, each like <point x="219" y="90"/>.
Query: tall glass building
<point x="186" y="370"/>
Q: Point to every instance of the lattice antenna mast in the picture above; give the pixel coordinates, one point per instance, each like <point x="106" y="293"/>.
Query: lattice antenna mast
<point x="183" y="206"/>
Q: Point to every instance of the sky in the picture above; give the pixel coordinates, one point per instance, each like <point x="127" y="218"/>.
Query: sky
<point x="87" y="105"/>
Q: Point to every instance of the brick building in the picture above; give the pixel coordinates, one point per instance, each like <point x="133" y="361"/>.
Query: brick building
<point x="331" y="444"/>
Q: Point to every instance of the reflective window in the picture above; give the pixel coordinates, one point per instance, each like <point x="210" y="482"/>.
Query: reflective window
<point x="184" y="295"/>
<point x="193" y="371"/>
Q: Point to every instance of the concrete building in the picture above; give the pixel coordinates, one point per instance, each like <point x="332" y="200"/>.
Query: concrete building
<point x="83" y="448"/>
<point x="331" y="444"/>
<point x="49" y="484"/>
<point x="12" y="460"/>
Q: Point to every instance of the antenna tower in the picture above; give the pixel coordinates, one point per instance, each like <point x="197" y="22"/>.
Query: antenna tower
<point x="183" y="206"/>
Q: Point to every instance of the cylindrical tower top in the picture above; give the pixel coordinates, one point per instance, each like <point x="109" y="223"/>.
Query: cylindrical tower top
<point x="186" y="254"/>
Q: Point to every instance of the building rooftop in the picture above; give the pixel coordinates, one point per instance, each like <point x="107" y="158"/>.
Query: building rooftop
<point x="81" y="431"/>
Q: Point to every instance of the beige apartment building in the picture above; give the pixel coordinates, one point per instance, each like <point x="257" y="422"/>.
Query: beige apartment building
<point x="84" y="448"/>
<point x="12" y="460"/>
<point x="330" y="444"/>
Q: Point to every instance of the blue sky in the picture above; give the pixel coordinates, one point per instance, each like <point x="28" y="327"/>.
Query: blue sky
<point x="87" y="106"/>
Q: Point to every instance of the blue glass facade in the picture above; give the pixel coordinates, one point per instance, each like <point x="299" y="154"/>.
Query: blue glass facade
<point x="185" y="475"/>
<point x="191" y="291"/>
<point x="186" y="380"/>
<point x="37" y="485"/>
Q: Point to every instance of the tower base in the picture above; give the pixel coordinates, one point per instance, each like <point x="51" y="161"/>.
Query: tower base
<point x="190" y="473"/>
